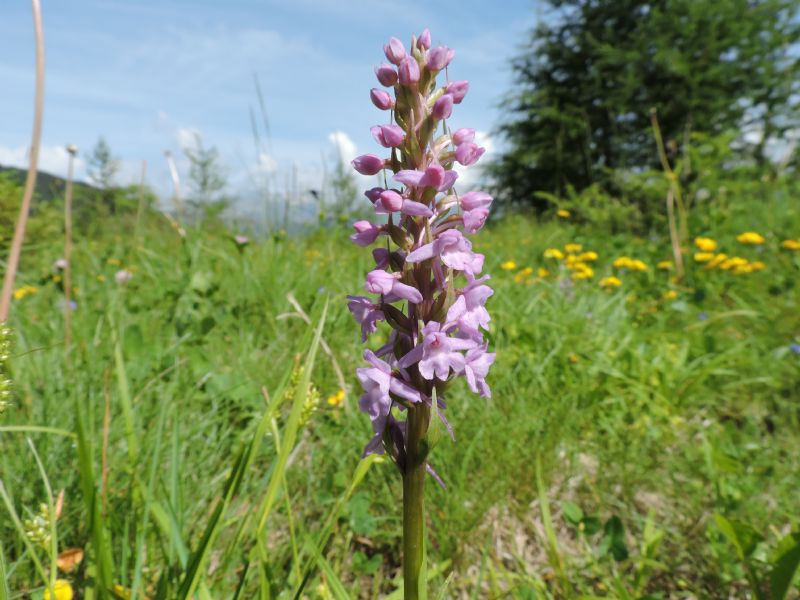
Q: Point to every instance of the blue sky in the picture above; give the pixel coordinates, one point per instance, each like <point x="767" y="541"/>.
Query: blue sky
<point x="146" y="74"/>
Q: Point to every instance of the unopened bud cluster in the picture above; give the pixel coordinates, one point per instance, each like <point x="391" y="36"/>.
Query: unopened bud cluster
<point x="437" y="319"/>
<point x="37" y="529"/>
<point x="5" y="381"/>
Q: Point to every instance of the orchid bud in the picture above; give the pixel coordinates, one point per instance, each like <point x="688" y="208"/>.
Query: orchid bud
<point x="387" y="75"/>
<point x="443" y="107"/>
<point x="473" y="200"/>
<point x="469" y="153"/>
<point x="409" y="71"/>
<point x="368" y="164"/>
<point x="395" y="51"/>
<point x="391" y="200"/>
<point x="439" y="58"/>
<point x="457" y="89"/>
<point x="381" y="99"/>
<point x="388" y="136"/>
<point x="462" y="135"/>
<point x="424" y="40"/>
<point x="373" y="194"/>
<point x="379" y="282"/>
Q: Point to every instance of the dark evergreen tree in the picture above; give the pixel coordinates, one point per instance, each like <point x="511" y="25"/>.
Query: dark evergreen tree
<point x="593" y="70"/>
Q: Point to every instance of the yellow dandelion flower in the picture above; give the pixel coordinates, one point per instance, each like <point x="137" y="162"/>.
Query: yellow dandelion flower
<point x="670" y="295"/>
<point x="573" y="358"/>
<point x="791" y="244"/>
<point x="589" y="256"/>
<point x="623" y="262"/>
<point x="757" y="265"/>
<point x="717" y="260"/>
<point x="703" y="256"/>
<point x="509" y="265"/>
<point x="24" y="291"/>
<point x="523" y="275"/>
<point x="609" y="282"/>
<point x="637" y="265"/>
<point x="750" y="237"/>
<point x="62" y="590"/>
<point x="732" y="263"/>
<point x="57" y="278"/>
<point x="742" y="269"/>
<point x="542" y="272"/>
<point x="583" y="272"/>
<point x="114" y="262"/>
<point x="122" y="592"/>
<point x="665" y="265"/>
<point x="573" y="248"/>
<point x="101" y="278"/>
<point x="705" y="244"/>
<point x="564" y="213"/>
<point x="337" y="399"/>
<point x="571" y="260"/>
<point x="553" y="253"/>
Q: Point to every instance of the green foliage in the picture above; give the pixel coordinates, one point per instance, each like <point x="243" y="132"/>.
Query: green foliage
<point x="592" y="71"/>
<point x="651" y="414"/>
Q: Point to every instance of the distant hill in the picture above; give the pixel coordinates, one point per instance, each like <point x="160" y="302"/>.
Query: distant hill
<point x="48" y="187"/>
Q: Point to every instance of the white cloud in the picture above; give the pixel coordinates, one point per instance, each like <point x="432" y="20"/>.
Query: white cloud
<point x="344" y="146"/>
<point x="52" y="159"/>
<point x="187" y="136"/>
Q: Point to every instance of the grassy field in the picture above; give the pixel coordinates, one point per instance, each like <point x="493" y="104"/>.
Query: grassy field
<point x="209" y="445"/>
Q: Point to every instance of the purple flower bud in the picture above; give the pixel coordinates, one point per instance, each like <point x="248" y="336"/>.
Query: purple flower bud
<point x="475" y="219"/>
<point x="458" y="89"/>
<point x="424" y="40"/>
<point x="388" y="284"/>
<point x="366" y="233"/>
<point x="386" y="75"/>
<point x="462" y="135"/>
<point x="409" y="71"/>
<point x="391" y="201"/>
<point x="366" y="312"/>
<point x="468" y="153"/>
<point x="395" y="51"/>
<point x="368" y="164"/>
<point x="373" y="194"/>
<point x="388" y="136"/>
<point x="443" y="107"/>
<point x="439" y="58"/>
<point x="473" y="200"/>
<point x="381" y="99"/>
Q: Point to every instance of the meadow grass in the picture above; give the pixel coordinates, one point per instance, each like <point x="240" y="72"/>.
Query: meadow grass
<point x="204" y="452"/>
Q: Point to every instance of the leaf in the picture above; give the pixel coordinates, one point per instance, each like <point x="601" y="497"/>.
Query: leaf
<point x="572" y="512"/>
<point x="785" y="562"/>
<point x="743" y="537"/>
<point x="614" y="539"/>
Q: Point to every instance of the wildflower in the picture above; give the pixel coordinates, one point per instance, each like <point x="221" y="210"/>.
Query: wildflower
<point x="717" y="260"/>
<point x="523" y="275"/>
<point x="62" y="590"/>
<point x="573" y="358"/>
<point x="751" y="238"/>
<point x="387" y="75"/>
<point x="241" y="241"/>
<point x="123" y="276"/>
<point x="703" y="256"/>
<point x="554" y="253"/>
<point x="37" y="528"/>
<point x="24" y="291"/>
<point x="114" y="262"/>
<point x="431" y="337"/>
<point x="101" y="278"/>
<point x="791" y="244"/>
<point x="542" y="272"/>
<point x="573" y="248"/>
<point x="705" y="244"/>
<point x="795" y="348"/>
<point x="670" y="295"/>
<point x="56" y="278"/>
<point x="336" y="399"/>
<point x="563" y="213"/>
<point x="664" y="265"/>
<point x="608" y="282"/>
<point x="733" y="263"/>
<point x="381" y="99"/>
<point x="582" y="271"/>
<point x="509" y="265"/>
<point x="60" y="264"/>
<point x="5" y="381"/>
<point x="703" y="316"/>
<point x="638" y="265"/>
<point x="588" y="256"/>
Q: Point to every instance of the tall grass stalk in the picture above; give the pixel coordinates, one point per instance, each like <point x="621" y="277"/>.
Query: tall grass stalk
<point x="30" y="180"/>
<point x="72" y="150"/>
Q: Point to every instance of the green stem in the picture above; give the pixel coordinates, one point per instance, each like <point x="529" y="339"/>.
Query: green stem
<point x="414" y="503"/>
